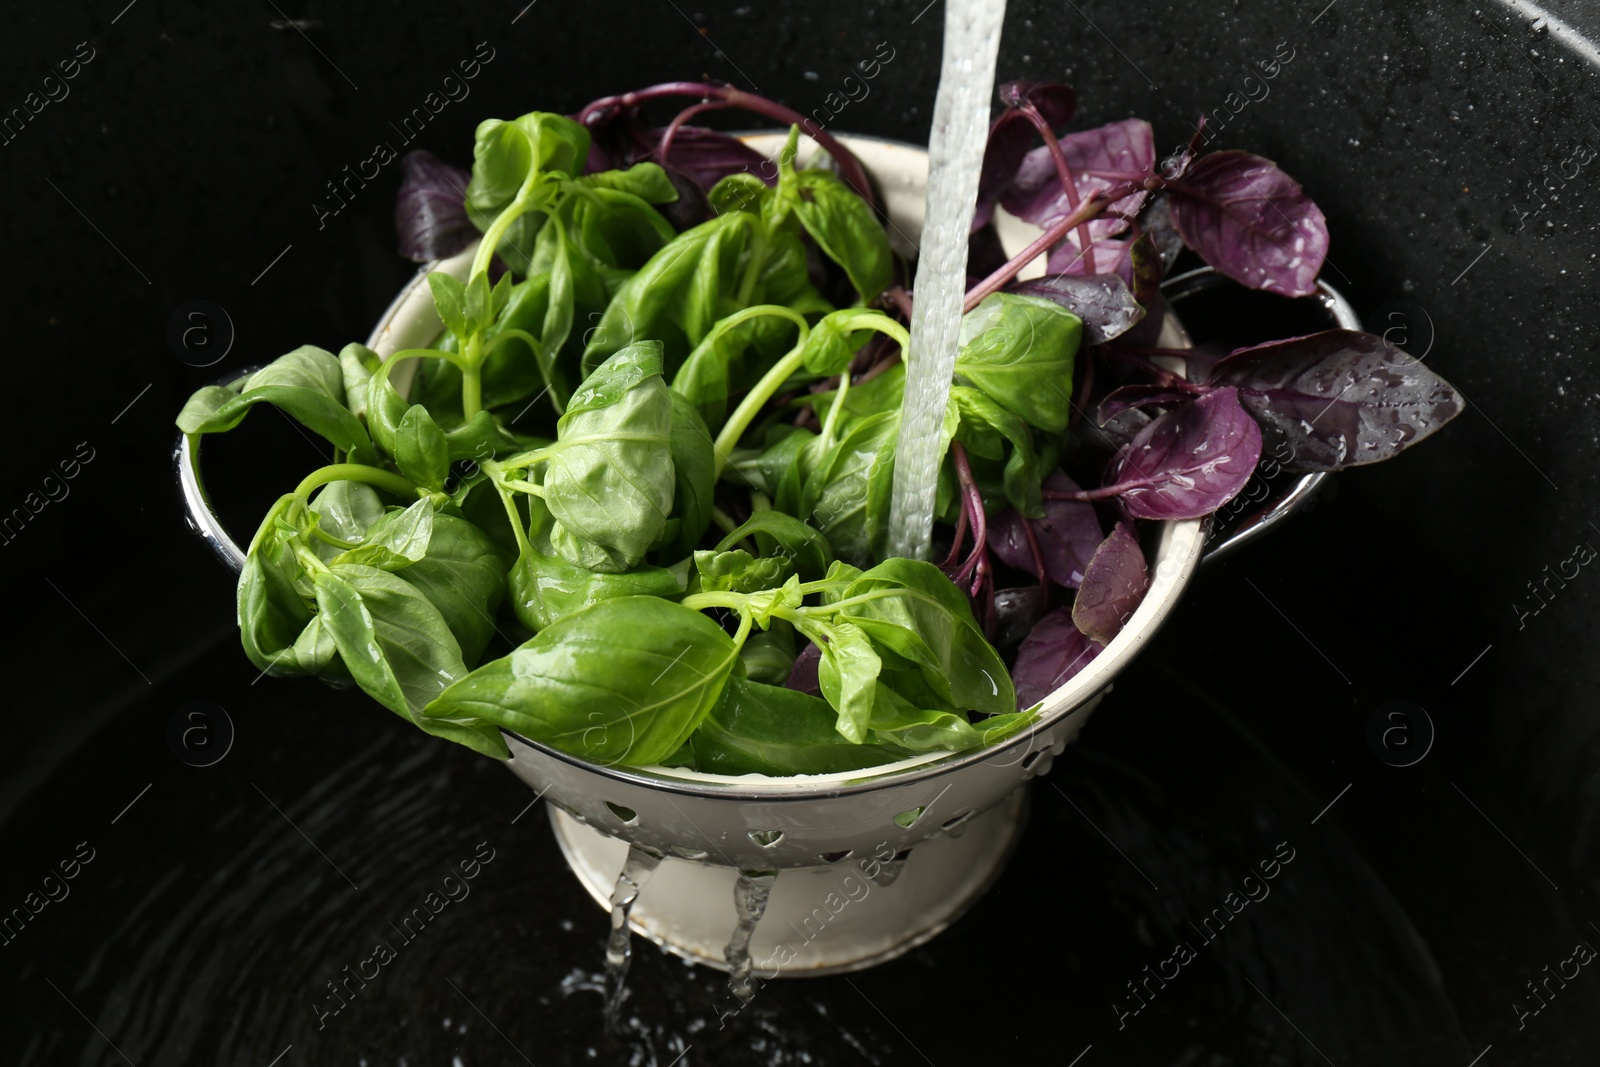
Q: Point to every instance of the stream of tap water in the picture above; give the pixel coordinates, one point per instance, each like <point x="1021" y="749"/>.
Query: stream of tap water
<point x="750" y="895"/>
<point x="955" y="158"/>
<point x="636" y="871"/>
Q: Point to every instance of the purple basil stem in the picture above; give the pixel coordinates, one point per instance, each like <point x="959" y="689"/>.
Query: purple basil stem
<point x="1340" y="398"/>
<point x="1012" y="133"/>
<point x="1114" y="583"/>
<point x="1190" y="460"/>
<point x="1050" y="655"/>
<point x="1099" y="158"/>
<point x="1067" y="536"/>
<point x="430" y="211"/>
<point x="803" y="675"/>
<point x="707" y="156"/>
<point x="1102" y="301"/>
<point x="1251" y="221"/>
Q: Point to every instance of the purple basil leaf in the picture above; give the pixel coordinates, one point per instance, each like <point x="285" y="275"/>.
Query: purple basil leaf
<point x="1050" y="655"/>
<point x="1146" y="333"/>
<point x="1099" y="158"/>
<point x="1157" y="222"/>
<point x="1113" y="585"/>
<point x="707" y="156"/>
<point x="1111" y="254"/>
<point x="1016" y="612"/>
<point x="691" y="208"/>
<point x="1115" y="433"/>
<point x="803" y="675"/>
<point x="1011" y="135"/>
<point x="1252" y="222"/>
<point x="1145" y="268"/>
<point x="1056" y="103"/>
<point x="1190" y="460"/>
<point x="430" y="211"/>
<point x="985" y="255"/>
<point x="1340" y="398"/>
<point x="1102" y="301"/>
<point x="1067" y="535"/>
<point x="1124" y="397"/>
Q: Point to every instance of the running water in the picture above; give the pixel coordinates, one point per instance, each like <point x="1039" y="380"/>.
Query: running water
<point x="750" y="895"/>
<point x="636" y="871"/>
<point x="955" y="157"/>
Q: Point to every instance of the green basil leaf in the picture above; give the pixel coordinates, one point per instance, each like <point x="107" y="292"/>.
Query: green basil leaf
<point x="899" y="722"/>
<point x="846" y="230"/>
<point x="478" y="308"/>
<point x="708" y="295"/>
<point x="395" y="541"/>
<point x="768" y="656"/>
<point x="609" y="479"/>
<point x="315" y="653"/>
<point x="694" y="480"/>
<point x="738" y="192"/>
<point x="767" y="729"/>
<point x="775" y="470"/>
<point x="398" y="649"/>
<point x="271" y="610"/>
<point x="619" y="230"/>
<point x="640" y="308"/>
<point x="884" y="391"/>
<point x="986" y="428"/>
<point x="740" y="572"/>
<point x="786" y="280"/>
<point x="511" y="372"/>
<point x="911" y="608"/>
<point x="547" y="588"/>
<point x="421" y="450"/>
<point x="1020" y="351"/>
<point x="830" y="346"/>
<point x="777" y="533"/>
<point x="544" y="587"/>
<point x="623" y="681"/>
<point x="847" y="495"/>
<point x="346" y="509"/>
<point x="847" y="674"/>
<point x="647" y="181"/>
<point x="203" y="405"/>
<point x="463" y="574"/>
<point x="450" y="301"/>
<point x="501" y="295"/>
<point x="357" y="364"/>
<point x="481" y="438"/>
<point x="504" y="153"/>
<point x="306" y="384"/>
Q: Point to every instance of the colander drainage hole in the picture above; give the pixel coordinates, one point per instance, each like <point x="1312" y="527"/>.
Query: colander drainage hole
<point x="766" y="838"/>
<point x="836" y="857"/>
<point x="689" y="853"/>
<point x="906" y="818"/>
<point x="952" y="823"/>
<point x="1032" y="758"/>
<point x="628" y="816"/>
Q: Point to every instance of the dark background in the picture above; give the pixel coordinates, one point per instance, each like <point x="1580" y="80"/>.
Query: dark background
<point x="184" y="165"/>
